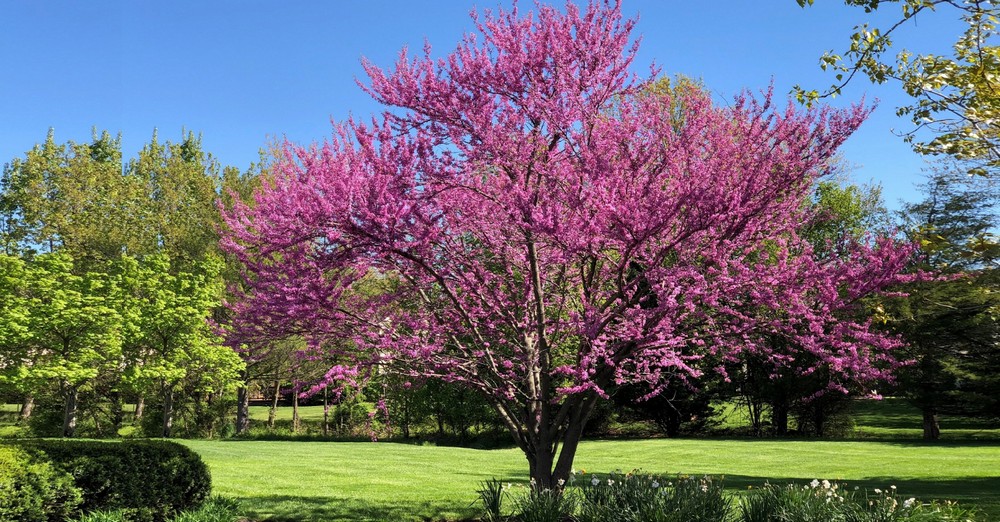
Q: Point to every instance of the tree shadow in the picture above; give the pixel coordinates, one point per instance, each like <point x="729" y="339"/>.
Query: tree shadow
<point x="289" y="508"/>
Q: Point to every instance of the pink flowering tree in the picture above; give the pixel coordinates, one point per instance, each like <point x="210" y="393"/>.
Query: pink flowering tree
<point x="539" y="225"/>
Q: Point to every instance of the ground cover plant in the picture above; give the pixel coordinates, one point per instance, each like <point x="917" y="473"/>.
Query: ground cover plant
<point x="388" y="481"/>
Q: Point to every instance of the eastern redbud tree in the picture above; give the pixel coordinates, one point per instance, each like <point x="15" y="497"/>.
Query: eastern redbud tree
<point x="529" y="219"/>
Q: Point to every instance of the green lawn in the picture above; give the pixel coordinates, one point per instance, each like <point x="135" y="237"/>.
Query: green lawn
<point x="321" y="481"/>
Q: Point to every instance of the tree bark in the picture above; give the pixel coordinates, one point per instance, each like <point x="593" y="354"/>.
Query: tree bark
<point x="71" y="395"/>
<point x="27" y="407"/>
<point x="295" y="411"/>
<point x="932" y="429"/>
<point x="326" y="412"/>
<point x="273" y="412"/>
<point x="168" y="411"/>
<point x="243" y="409"/>
<point x="779" y="416"/>
<point x="117" y="411"/>
<point x="140" y="408"/>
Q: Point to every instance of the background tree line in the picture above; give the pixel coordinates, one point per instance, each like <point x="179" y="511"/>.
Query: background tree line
<point x="113" y="284"/>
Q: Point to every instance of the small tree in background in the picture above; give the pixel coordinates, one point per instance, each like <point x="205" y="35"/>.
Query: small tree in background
<point x="554" y="228"/>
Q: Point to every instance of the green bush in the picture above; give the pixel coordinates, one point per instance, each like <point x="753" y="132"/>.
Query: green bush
<point x="146" y="480"/>
<point x="34" y="491"/>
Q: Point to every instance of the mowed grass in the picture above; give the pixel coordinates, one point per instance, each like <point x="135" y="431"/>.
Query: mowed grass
<point x="324" y="481"/>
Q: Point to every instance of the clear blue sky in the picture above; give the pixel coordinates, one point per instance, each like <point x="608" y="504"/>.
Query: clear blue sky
<point x="242" y="73"/>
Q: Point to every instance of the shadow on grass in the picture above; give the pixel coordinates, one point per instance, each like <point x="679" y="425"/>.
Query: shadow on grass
<point x="285" y="508"/>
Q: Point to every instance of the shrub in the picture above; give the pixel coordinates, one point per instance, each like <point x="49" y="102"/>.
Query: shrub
<point x="34" y="491"/>
<point x="146" y="480"/>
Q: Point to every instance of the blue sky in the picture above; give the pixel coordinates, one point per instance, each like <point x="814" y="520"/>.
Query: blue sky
<point x="243" y="73"/>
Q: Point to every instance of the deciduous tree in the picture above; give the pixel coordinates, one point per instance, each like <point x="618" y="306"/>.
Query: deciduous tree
<point x="554" y="230"/>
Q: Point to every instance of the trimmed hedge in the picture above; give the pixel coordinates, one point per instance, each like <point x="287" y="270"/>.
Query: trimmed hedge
<point x="33" y="491"/>
<point x="149" y="481"/>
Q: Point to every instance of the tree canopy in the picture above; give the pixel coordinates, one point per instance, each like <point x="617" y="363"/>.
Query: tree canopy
<point x="548" y="226"/>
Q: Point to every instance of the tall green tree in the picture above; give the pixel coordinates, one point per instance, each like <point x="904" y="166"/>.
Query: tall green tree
<point x="72" y="196"/>
<point x="181" y="183"/>
<point x="170" y="339"/>
<point x="15" y="331"/>
<point x="951" y="323"/>
<point x="75" y="333"/>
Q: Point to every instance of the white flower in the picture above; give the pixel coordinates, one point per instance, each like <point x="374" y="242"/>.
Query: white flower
<point x="611" y="482"/>
<point x="892" y="488"/>
<point x="561" y="482"/>
<point x="814" y="483"/>
<point x="909" y="502"/>
<point x="594" y="481"/>
<point x="878" y="491"/>
<point x="704" y="488"/>
<point x="826" y="484"/>
<point x="655" y="484"/>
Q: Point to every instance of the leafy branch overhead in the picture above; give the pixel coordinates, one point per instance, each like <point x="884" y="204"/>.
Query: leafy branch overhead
<point x="955" y="97"/>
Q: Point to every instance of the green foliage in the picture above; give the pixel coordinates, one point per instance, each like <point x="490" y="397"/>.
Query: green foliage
<point x="950" y="323"/>
<point x="145" y="480"/>
<point x="34" y="491"/>
<point x="170" y="346"/>
<point x="544" y="505"/>
<point x="955" y="96"/>
<point x="491" y="495"/>
<point x="638" y="497"/>
<point x="829" y="502"/>
<point x="215" y="509"/>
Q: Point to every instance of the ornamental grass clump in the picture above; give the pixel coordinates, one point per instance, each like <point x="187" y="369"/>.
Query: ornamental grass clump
<point x="491" y="494"/>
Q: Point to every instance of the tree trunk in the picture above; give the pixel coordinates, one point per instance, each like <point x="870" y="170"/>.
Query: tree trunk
<point x="273" y="412"/>
<point x="140" y="408"/>
<point x="549" y="465"/>
<point x="295" y="411"/>
<point x="326" y="412"/>
<point x="71" y="394"/>
<point x="27" y="407"/>
<point x="117" y="411"/>
<point x="779" y="416"/>
<point x="243" y="409"/>
<point x="819" y="418"/>
<point x="932" y="429"/>
<point x="168" y="410"/>
<point x="404" y="425"/>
